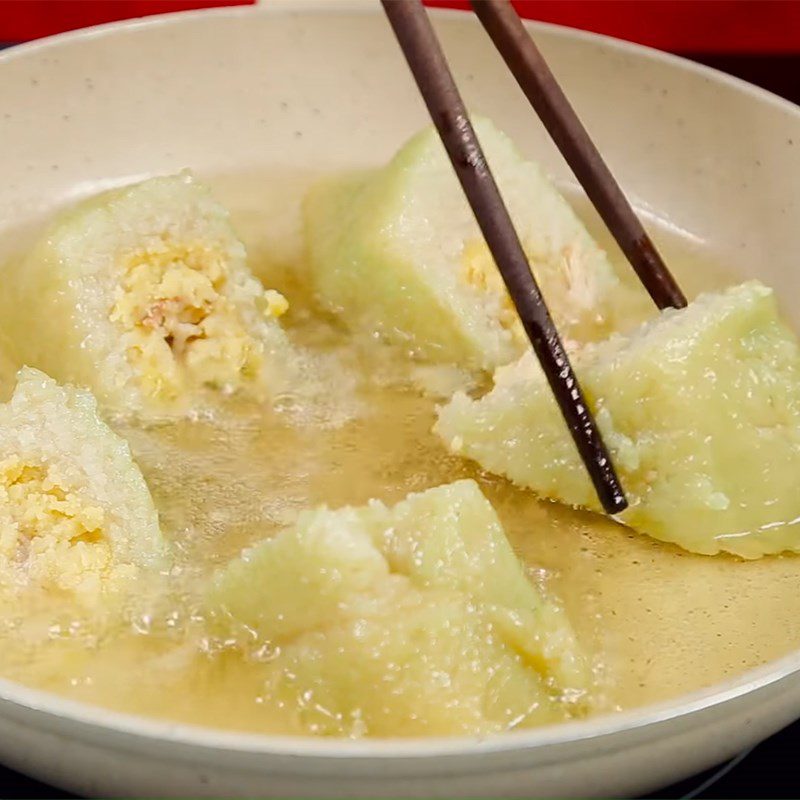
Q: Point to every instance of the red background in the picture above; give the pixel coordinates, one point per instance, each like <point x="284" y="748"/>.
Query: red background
<point x="722" y="26"/>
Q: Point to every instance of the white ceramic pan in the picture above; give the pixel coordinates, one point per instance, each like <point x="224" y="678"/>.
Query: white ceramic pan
<point x="325" y="85"/>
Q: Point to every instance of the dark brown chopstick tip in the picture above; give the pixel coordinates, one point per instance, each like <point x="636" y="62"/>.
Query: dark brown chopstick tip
<point x="613" y="502"/>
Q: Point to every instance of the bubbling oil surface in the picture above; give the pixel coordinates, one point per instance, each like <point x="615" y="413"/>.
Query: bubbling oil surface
<point x="656" y="620"/>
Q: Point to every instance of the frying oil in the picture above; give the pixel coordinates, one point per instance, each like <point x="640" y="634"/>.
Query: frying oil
<point x="656" y="621"/>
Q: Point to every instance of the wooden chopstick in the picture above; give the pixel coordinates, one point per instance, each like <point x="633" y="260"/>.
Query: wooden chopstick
<point x="429" y="67"/>
<point x="534" y="77"/>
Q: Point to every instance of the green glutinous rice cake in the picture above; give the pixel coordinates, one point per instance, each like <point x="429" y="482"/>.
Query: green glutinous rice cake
<point x="403" y="620"/>
<point x="397" y="251"/>
<point x="700" y="409"/>
<point x="76" y="517"/>
<point x="143" y="294"/>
